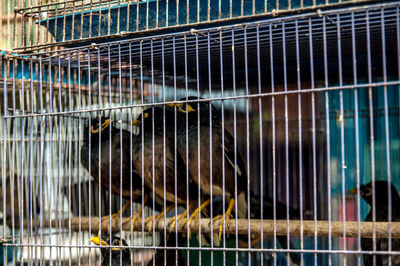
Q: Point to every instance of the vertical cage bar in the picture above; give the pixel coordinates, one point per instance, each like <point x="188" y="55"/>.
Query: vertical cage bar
<point x="198" y="136"/>
<point x="314" y="139"/>
<point x="328" y="150"/>
<point x="247" y="140"/>
<point x="261" y="147"/>
<point x="286" y="138"/>
<point x="4" y="163"/>
<point x="211" y="141"/>
<point x="300" y="128"/>
<point x="387" y="134"/>
<point x="221" y="62"/>
<point x="342" y="137"/>
<point x="271" y="55"/>
<point x="235" y="138"/>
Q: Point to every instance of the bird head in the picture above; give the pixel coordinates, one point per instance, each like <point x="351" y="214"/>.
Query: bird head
<point x="185" y="107"/>
<point x="156" y="113"/>
<point x="113" y="243"/>
<point x="381" y="193"/>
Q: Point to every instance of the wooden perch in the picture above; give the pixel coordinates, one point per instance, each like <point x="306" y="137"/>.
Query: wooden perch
<point x="366" y="228"/>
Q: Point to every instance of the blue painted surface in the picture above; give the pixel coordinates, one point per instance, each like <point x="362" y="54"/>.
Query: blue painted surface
<point x="9" y="252"/>
<point x="379" y="131"/>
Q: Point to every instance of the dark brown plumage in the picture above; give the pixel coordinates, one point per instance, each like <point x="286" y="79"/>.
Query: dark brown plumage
<point x="151" y="148"/>
<point x="108" y="150"/>
<point x="219" y="148"/>
<point x="107" y="159"/>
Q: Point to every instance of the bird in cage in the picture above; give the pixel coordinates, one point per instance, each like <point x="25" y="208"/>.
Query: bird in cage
<point x="115" y="251"/>
<point x="151" y="148"/>
<point x="101" y="149"/>
<point x="222" y="144"/>
<point x="381" y="215"/>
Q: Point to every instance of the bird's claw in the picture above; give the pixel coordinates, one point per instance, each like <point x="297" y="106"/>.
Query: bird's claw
<point x="149" y="222"/>
<point x="195" y="215"/>
<point x="114" y="217"/>
<point x="136" y="217"/>
<point x="106" y="220"/>
<point x="227" y="217"/>
<point x="158" y="217"/>
<point x="221" y="223"/>
<point x="178" y="218"/>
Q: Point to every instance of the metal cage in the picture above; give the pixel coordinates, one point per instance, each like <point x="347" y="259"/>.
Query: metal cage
<point x="306" y="109"/>
<point x="79" y="22"/>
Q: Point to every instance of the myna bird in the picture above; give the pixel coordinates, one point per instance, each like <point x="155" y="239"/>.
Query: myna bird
<point x="220" y="149"/>
<point x="381" y="210"/>
<point x="104" y="150"/>
<point x="150" y="145"/>
<point x="121" y="255"/>
<point x="116" y="253"/>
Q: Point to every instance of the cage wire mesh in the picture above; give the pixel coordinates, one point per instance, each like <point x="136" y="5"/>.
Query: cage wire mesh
<point x="288" y="126"/>
<point x="47" y="23"/>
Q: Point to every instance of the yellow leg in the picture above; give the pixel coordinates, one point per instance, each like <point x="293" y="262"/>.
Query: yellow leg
<point x="157" y="217"/>
<point x="114" y="215"/>
<point x="195" y="215"/>
<point x="180" y="217"/>
<point x="227" y="217"/>
<point x="138" y="214"/>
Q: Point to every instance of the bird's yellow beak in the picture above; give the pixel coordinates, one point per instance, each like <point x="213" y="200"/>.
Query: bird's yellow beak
<point x="189" y="109"/>
<point x="98" y="241"/>
<point x="353" y="191"/>
<point x="181" y="107"/>
<point x="103" y="126"/>
<point x="170" y="104"/>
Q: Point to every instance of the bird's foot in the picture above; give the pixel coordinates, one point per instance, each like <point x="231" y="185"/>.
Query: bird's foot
<point x="227" y="218"/>
<point x="136" y="217"/>
<point x="149" y="220"/>
<point x="195" y="216"/>
<point x="114" y="217"/>
<point x="179" y="217"/>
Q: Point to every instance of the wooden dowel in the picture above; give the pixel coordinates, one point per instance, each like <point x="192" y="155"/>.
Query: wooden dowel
<point x="366" y="228"/>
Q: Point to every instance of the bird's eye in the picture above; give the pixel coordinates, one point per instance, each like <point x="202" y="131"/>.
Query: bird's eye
<point x="115" y="243"/>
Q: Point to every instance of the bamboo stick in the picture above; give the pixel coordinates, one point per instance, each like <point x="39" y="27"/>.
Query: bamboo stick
<point x="366" y="228"/>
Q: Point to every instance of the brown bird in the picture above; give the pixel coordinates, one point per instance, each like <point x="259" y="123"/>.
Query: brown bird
<point x="221" y="150"/>
<point x="151" y="144"/>
<point x="108" y="149"/>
